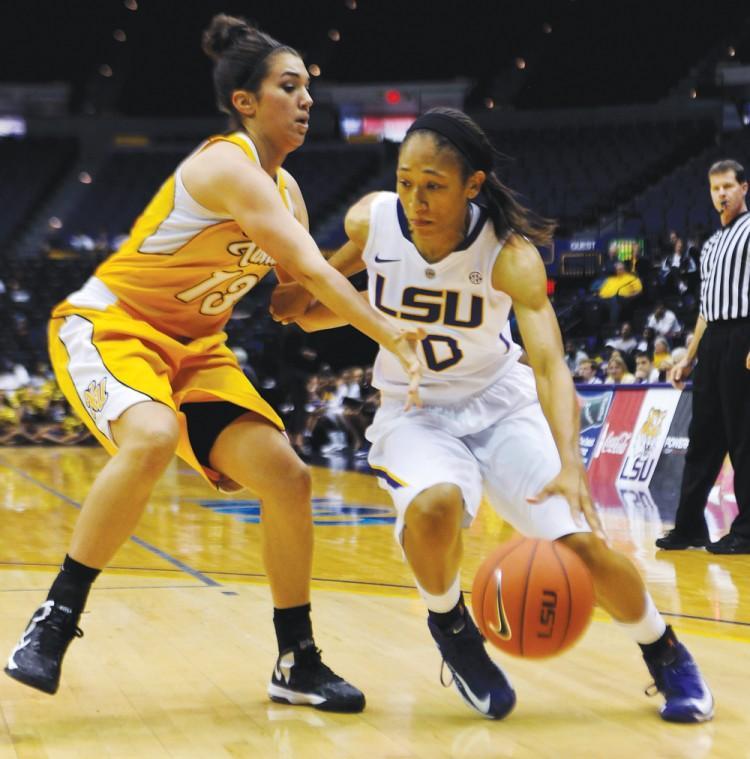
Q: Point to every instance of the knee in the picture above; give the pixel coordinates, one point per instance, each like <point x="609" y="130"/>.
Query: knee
<point x="299" y="479"/>
<point x="153" y="445"/>
<point x="292" y="485"/>
<point x="435" y="515"/>
<point x="590" y="549"/>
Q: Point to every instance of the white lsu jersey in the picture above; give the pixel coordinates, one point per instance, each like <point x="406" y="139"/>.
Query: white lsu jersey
<point x="468" y="345"/>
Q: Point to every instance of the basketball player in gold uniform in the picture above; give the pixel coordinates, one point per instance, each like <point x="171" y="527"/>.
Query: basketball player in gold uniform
<point x="140" y="353"/>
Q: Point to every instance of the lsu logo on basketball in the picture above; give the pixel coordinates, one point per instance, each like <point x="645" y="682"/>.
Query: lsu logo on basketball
<point x="95" y="395"/>
<point x="547" y="614"/>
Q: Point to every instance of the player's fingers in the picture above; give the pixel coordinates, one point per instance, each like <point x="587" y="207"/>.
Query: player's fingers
<point x="592" y="516"/>
<point x="412" y="395"/>
<point x="542" y="495"/>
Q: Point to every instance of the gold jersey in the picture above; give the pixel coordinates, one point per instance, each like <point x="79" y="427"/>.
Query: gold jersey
<point x="183" y="267"/>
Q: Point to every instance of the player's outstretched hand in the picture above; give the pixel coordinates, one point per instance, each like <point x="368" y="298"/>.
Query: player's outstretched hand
<point x="747" y="361"/>
<point x="573" y="486"/>
<point x="404" y="347"/>
<point x="289" y="301"/>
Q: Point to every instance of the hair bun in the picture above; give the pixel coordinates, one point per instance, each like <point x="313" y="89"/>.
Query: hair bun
<point x="222" y="33"/>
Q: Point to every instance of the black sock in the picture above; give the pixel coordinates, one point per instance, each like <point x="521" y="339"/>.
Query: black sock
<point x="447" y="620"/>
<point x="662" y="650"/>
<point x="293" y="627"/>
<point x="71" y="586"/>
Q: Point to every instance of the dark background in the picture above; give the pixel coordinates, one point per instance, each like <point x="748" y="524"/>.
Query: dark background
<point x="597" y="52"/>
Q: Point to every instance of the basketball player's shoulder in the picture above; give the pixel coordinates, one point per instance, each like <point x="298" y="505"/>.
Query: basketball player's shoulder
<point x="216" y="161"/>
<point x="518" y="264"/>
<point x="357" y="220"/>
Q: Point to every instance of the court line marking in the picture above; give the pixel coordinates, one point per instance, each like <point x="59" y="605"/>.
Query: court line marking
<point x="134" y="538"/>
<point x="198" y="575"/>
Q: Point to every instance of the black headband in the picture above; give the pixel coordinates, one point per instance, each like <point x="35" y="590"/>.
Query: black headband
<point x="462" y="138"/>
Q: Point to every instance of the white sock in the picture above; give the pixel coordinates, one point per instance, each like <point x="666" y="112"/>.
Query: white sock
<point x="444" y="602"/>
<point x="649" y="628"/>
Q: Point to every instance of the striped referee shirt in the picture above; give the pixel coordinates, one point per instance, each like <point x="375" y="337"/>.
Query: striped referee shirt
<point x="725" y="272"/>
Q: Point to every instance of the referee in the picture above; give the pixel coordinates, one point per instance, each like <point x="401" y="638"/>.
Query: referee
<point x="721" y="386"/>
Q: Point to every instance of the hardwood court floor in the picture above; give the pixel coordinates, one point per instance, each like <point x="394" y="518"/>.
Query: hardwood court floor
<point x="179" y="643"/>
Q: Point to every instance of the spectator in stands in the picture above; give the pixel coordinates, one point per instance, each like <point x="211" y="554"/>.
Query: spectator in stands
<point x="624" y="341"/>
<point x="12" y="374"/>
<point x="9" y="424"/>
<point x="586" y="374"/>
<point x="299" y="362"/>
<point x="617" y="372"/>
<point x="678" y="271"/>
<point x="641" y="266"/>
<point x="645" y="371"/>
<point x="661" y="352"/>
<point x="573" y="355"/>
<point x="606" y="268"/>
<point x="619" y="290"/>
<point x="646" y="342"/>
<point x="664" y="322"/>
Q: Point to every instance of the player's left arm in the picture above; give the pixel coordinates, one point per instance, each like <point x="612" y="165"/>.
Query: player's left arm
<point x="519" y="272"/>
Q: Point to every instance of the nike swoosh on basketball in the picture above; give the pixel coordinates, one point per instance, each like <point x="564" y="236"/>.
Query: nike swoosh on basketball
<point x="480" y="704"/>
<point x="379" y="260"/>
<point x="503" y="627"/>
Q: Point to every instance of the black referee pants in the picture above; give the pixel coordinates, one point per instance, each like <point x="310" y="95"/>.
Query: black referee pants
<point x="720" y="425"/>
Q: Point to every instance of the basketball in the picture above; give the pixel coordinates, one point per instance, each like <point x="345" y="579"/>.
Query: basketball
<point x="532" y="598"/>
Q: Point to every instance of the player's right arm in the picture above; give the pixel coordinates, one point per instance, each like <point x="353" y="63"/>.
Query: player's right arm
<point x="224" y="180"/>
<point x="290" y="301"/>
<point x="682" y="369"/>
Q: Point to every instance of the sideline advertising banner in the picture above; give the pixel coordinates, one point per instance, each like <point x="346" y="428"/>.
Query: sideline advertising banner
<point x="634" y="440"/>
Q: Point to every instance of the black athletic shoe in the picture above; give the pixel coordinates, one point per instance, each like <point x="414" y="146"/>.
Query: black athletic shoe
<point x="37" y="658"/>
<point x="676" y="541"/>
<point x="730" y="544"/>
<point x="478" y="680"/>
<point x="300" y="677"/>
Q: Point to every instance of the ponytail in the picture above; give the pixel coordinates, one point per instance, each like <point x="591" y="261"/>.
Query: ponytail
<point x="509" y="215"/>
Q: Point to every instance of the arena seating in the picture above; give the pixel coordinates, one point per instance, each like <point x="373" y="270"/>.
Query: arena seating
<point x="123" y="187"/>
<point x="680" y="200"/>
<point x="30" y="169"/>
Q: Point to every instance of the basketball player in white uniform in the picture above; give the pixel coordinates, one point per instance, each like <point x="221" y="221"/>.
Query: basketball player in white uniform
<point x="442" y="257"/>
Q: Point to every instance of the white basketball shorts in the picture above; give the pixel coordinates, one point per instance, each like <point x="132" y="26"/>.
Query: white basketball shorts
<point x="498" y="441"/>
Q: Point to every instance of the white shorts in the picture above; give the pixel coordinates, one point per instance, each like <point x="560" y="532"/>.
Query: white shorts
<point x="498" y="441"/>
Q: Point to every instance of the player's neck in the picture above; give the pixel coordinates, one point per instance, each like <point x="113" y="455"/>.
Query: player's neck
<point x="436" y="250"/>
<point x="269" y="156"/>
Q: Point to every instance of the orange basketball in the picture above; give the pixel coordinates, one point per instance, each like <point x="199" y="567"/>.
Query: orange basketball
<point x="532" y="598"/>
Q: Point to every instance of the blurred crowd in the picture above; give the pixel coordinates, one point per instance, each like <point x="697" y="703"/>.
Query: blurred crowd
<point x="34" y="410"/>
<point x="644" y="309"/>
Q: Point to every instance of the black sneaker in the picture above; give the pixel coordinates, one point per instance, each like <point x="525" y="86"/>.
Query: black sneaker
<point x="300" y="677"/>
<point x="730" y="544"/>
<point x="676" y="541"/>
<point x="37" y="658"/>
<point x="478" y="680"/>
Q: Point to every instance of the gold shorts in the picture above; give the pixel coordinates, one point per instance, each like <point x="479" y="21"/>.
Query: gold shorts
<point x="106" y="361"/>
